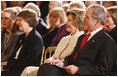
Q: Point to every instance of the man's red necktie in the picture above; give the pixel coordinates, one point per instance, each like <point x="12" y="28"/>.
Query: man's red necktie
<point x="85" y="39"/>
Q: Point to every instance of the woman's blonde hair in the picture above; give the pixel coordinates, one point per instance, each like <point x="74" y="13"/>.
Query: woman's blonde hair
<point x="60" y="13"/>
<point x="78" y="16"/>
<point x="113" y="12"/>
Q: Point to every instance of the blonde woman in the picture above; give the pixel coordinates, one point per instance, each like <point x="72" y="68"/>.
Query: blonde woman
<point x="62" y="30"/>
<point x="55" y="18"/>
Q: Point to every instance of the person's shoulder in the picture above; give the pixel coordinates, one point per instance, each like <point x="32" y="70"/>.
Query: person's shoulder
<point x="37" y="34"/>
<point x="107" y="37"/>
<point x="19" y="33"/>
<point x="62" y="26"/>
<point x="41" y="22"/>
<point x="66" y="37"/>
<point x="36" y="38"/>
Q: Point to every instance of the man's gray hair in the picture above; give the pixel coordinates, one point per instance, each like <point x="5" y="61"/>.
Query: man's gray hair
<point x="99" y="12"/>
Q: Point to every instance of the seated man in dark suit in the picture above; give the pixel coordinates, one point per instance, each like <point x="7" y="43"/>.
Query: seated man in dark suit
<point x="94" y="54"/>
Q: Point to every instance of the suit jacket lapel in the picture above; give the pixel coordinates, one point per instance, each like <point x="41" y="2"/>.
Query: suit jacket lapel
<point x="90" y="43"/>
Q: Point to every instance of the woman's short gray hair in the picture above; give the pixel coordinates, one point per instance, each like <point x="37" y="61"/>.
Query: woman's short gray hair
<point x="99" y="12"/>
<point x="29" y="16"/>
<point x="33" y="7"/>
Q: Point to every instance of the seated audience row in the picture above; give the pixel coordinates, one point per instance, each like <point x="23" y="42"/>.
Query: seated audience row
<point x="66" y="46"/>
<point x="85" y="43"/>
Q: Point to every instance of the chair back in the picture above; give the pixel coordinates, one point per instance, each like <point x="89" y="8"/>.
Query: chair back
<point x="49" y="50"/>
<point x="42" y="57"/>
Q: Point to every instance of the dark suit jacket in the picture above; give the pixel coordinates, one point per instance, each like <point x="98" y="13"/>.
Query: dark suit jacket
<point x="41" y="27"/>
<point x="113" y="34"/>
<point x="48" y="37"/>
<point x="97" y="57"/>
<point x="30" y="53"/>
